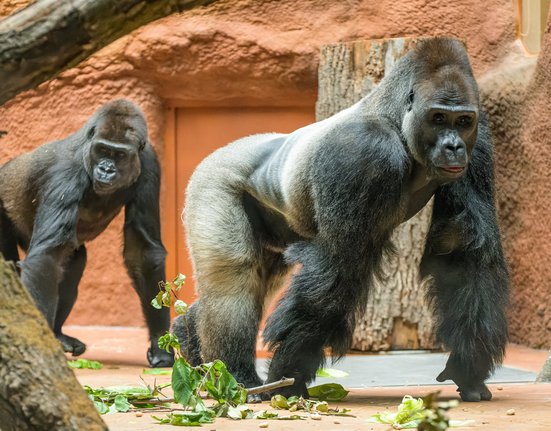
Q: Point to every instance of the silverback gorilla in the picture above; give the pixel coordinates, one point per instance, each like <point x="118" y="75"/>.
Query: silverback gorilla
<point x="65" y="193"/>
<point x="328" y="197"/>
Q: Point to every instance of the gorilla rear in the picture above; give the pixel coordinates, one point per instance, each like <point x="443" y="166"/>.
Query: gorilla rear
<point x="65" y="193"/>
<point x="328" y="197"/>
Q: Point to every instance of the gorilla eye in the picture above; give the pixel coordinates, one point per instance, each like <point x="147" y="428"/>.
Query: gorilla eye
<point x="464" y="121"/>
<point x="438" y="118"/>
<point x="121" y="155"/>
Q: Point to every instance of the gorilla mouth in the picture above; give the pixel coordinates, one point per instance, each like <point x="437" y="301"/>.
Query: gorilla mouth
<point x="453" y="169"/>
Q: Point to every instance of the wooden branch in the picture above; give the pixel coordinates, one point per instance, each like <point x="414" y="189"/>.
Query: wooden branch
<point x="271" y="386"/>
<point x="49" y="36"/>
<point x="38" y="391"/>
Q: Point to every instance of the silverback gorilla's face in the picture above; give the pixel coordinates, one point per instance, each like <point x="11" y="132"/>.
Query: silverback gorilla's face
<point x="114" y="157"/>
<point x="441" y="124"/>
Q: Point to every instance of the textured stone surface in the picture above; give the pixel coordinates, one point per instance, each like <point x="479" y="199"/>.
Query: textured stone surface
<point x="525" y="161"/>
<point x="258" y="52"/>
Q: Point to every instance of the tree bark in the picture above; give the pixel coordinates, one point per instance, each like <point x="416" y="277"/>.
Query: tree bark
<point x="397" y="316"/>
<point x="49" y="36"/>
<point x="545" y="373"/>
<point x="38" y="391"/>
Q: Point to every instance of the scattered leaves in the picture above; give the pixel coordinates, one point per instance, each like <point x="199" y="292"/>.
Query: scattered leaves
<point x="85" y="363"/>
<point x="294" y="404"/>
<point x="423" y="414"/>
<point x="113" y="399"/>
<point x="187" y="418"/>
<point x="157" y="371"/>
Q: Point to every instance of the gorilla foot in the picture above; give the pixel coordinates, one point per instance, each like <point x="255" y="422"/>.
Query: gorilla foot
<point x="158" y="358"/>
<point x="469" y="391"/>
<point x="71" y="344"/>
<point x="475" y="394"/>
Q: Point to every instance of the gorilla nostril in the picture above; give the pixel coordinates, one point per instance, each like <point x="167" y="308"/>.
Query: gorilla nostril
<point x="454" y="147"/>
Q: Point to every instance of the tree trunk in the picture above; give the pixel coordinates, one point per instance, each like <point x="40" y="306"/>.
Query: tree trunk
<point x="545" y="373"/>
<point x="49" y="36"/>
<point x="397" y="316"/>
<point x="38" y="391"/>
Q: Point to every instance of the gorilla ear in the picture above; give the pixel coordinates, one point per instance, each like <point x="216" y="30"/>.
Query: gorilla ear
<point x="91" y="132"/>
<point x="411" y="96"/>
<point x="142" y="145"/>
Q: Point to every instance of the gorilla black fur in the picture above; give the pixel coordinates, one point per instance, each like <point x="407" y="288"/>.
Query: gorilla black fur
<point x="65" y="193"/>
<point x="328" y="197"/>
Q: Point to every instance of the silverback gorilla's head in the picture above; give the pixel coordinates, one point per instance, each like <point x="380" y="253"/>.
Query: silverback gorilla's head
<point x="116" y="135"/>
<point x="441" y="122"/>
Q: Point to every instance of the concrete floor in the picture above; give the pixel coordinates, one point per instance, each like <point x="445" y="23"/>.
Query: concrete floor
<point x="122" y="350"/>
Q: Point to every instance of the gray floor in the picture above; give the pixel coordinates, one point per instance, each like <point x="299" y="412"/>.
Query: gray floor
<point x="400" y="369"/>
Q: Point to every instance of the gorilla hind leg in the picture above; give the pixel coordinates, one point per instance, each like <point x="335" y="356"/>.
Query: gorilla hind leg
<point x="68" y="289"/>
<point x="228" y="320"/>
<point x="185" y="328"/>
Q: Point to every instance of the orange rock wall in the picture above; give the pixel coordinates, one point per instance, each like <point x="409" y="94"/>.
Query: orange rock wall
<point x="520" y="103"/>
<point x="238" y="52"/>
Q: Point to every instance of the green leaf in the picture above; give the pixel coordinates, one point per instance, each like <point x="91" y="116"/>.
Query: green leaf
<point x="166" y="299"/>
<point x="264" y="414"/>
<point x="279" y="402"/>
<point x="328" y="392"/>
<point x="157" y="371"/>
<point x="187" y="418"/>
<point x="239" y="412"/>
<point x="225" y="388"/>
<point x="293" y="399"/>
<point x="331" y="372"/>
<point x="168" y="341"/>
<point x="185" y="383"/>
<point x="110" y="392"/>
<point x="157" y="302"/>
<point x="179" y="281"/>
<point x="322" y="406"/>
<point x="101" y="407"/>
<point x="85" y="363"/>
<point x="180" y="307"/>
<point x="409" y="410"/>
<point x="414" y="413"/>
<point x="121" y="403"/>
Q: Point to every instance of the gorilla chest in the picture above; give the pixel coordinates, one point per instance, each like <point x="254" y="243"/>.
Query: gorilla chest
<point x="418" y="193"/>
<point x="94" y="220"/>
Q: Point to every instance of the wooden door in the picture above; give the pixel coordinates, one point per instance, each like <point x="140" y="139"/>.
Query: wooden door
<point x="194" y="133"/>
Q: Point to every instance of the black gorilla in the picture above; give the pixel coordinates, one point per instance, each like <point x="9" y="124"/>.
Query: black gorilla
<point x="328" y="197"/>
<point x="65" y="193"/>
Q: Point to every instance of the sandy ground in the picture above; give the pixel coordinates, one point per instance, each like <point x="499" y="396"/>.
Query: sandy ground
<point x="123" y="352"/>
